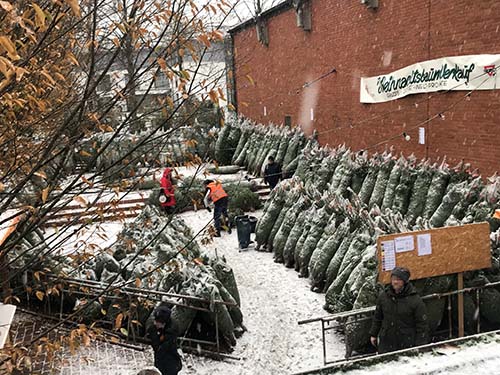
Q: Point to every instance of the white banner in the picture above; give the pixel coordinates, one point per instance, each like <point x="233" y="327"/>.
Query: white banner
<point x="473" y="72"/>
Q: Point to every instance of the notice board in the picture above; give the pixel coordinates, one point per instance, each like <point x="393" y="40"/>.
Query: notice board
<point x="435" y="252"/>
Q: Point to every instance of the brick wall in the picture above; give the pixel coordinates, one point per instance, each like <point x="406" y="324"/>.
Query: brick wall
<point x="359" y="42"/>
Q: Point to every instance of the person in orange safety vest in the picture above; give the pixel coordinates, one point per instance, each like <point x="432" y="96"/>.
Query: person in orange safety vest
<point x="216" y="194"/>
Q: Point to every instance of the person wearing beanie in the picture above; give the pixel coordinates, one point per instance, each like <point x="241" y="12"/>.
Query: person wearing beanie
<point x="400" y="319"/>
<point x="164" y="341"/>
<point x="272" y="173"/>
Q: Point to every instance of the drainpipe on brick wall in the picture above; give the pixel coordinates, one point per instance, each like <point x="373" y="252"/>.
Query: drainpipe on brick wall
<point x="230" y="71"/>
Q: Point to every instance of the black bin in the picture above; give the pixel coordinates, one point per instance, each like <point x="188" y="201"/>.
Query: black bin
<point x="244" y="229"/>
<point x="253" y="223"/>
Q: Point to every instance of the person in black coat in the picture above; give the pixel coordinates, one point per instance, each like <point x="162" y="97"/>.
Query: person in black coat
<point x="272" y="173"/>
<point x="400" y="319"/>
<point x="164" y="341"/>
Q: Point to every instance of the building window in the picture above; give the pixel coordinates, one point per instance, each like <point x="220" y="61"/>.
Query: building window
<point x="105" y="84"/>
<point x="125" y="79"/>
<point x="161" y="81"/>
<point x="262" y="32"/>
<point x="303" y="10"/>
<point x="102" y="102"/>
<point x="370" y="4"/>
<point x="288" y="121"/>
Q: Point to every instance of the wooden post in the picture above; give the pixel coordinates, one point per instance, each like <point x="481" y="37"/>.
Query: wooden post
<point x="460" y="285"/>
<point x="450" y="318"/>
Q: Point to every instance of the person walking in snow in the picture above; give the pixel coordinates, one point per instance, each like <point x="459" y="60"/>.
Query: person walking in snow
<point x="272" y="173"/>
<point x="167" y="196"/>
<point x="216" y="194"/>
<point x="164" y="341"/>
<point x="400" y="319"/>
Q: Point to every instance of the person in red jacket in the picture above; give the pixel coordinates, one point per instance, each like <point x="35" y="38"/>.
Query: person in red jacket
<point x="167" y="197"/>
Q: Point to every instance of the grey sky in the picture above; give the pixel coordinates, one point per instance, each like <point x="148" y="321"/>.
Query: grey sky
<point x="243" y="10"/>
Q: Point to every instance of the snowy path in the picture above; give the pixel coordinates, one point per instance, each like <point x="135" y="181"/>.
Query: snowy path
<point x="273" y="299"/>
<point x="478" y="358"/>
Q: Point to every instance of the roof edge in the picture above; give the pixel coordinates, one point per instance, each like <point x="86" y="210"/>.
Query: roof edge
<point x="271" y="12"/>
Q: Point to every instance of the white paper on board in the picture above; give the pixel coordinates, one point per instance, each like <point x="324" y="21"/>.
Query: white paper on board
<point x="404" y="243"/>
<point x="388" y="255"/>
<point x="424" y="244"/>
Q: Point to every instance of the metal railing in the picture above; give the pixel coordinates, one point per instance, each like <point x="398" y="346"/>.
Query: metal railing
<point x="91" y="289"/>
<point x="356" y="316"/>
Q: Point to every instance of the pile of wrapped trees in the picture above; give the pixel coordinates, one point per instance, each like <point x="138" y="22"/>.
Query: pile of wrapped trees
<point x="128" y="151"/>
<point x="171" y="262"/>
<point x="243" y="143"/>
<point x="325" y="220"/>
<point x="153" y="253"/>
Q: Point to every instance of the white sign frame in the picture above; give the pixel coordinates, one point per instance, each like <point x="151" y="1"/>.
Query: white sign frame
<point x="470" y="72"/>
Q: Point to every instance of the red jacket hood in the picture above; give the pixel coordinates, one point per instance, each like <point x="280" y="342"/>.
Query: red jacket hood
<point x="167" y="172"/>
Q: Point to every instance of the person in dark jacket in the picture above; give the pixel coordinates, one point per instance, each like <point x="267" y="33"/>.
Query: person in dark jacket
<point x="400" y="319"/>
<point x="167" y="194"/>
<point x="164" y="341"/>
<point x="272" y="173"/>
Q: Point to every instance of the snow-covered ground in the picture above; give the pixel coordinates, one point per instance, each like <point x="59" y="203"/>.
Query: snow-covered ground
<point x="96" y="237"/>
<point x="273" y="300"/>
<point x="470" y="358"/>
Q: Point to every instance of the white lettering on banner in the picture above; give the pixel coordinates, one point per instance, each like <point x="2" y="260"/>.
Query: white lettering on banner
<point x="472" y="72"/>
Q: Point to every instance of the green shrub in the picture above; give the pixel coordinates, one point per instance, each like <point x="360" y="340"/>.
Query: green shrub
<point x="154" y="197"/>
<point x="241" y="198"/>
<point x="186" y="196"/>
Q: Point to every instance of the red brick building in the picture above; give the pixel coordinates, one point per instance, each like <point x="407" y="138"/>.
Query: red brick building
<point x="270" y="81"/>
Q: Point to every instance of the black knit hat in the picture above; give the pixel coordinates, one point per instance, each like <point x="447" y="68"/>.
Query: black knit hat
<point x="401" y="273"/>
<point x="162" y="314"/>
